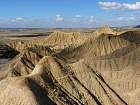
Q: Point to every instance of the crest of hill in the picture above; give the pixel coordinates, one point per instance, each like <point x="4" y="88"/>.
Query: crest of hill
<point x="108" y="53"/>
<point x="60" y="40"/>
<point x="57" y="40"/>
<point x="65" y="37"/>
<point x="24" y="62"/>
<point x="105" y="30"/>
<point x="100" y="46"/>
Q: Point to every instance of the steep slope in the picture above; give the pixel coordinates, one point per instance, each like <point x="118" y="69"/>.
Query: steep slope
<point x="132" y="36"/>
<point x="73" y="69"/>
<point x="7" y="52"/>
<point x="25" y="62"/>
<point x="59" y="84"/>
<point x="61" y="40"/>
<point x="94" y="47"/>
<point x="113" y="66"/>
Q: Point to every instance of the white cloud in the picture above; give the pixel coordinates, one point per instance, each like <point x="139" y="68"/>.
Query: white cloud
<point x="120" y="18"/>
<point x="91" y="19"/>
<point x="59" y="17"/>
<point x="135" y="6"/>
<point x="116" y="5"/>
<point x="126" y="18"/>
<point x="110" y="5"/>
<point x="19" y="19"/>
<point x="77" y="16"/>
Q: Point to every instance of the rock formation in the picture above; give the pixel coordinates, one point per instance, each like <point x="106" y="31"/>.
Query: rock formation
<point x="73" y="69"/>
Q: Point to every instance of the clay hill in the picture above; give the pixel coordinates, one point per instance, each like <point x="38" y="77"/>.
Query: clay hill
<point x="72" y="68"/>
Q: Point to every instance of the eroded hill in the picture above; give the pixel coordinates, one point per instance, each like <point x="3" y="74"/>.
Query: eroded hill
<point x="73" y="69"/>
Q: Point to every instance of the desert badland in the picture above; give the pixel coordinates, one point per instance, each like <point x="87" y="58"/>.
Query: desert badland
<point x="100" y="67"/>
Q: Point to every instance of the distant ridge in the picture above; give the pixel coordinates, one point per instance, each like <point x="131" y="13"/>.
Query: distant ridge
<point x="138" y="26"/>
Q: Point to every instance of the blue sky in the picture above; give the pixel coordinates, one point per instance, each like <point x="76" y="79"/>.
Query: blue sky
<point x="69" y="13"/>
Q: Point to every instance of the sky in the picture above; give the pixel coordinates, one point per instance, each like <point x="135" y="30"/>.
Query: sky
<point x="68" y="13"/>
